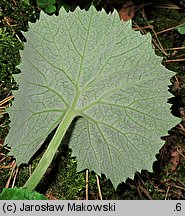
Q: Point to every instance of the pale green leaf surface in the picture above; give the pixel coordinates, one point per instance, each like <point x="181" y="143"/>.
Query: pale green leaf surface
<point x="112" y="77"/>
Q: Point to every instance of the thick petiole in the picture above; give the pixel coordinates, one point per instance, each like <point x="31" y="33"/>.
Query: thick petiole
<point x="48" y="155"/>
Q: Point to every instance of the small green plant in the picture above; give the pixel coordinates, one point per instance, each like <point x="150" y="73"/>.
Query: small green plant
<point x="181" y="29"/>
<point x="101" y="84"/>
<point x="47" y="5"/>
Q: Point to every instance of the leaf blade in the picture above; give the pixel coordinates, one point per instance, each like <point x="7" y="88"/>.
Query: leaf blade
<point x="107" y="74"/>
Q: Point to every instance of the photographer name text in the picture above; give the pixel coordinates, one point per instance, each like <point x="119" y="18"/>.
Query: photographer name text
<point x="70" y="207"/>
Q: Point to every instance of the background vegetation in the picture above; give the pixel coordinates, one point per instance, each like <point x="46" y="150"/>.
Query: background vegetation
<point x="61" y="181"/>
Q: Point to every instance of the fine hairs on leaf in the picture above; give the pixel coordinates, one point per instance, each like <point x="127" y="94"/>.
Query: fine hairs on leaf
<point x="91" y="65"/>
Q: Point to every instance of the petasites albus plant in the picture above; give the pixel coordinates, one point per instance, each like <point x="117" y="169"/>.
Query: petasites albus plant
<point x="90" y="67"/>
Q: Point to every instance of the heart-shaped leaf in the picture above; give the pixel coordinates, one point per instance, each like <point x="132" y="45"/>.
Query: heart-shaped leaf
<point x="92" y="65"/>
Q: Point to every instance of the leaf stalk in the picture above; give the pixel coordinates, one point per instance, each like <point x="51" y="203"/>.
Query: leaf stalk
<point x="48" y="155"/>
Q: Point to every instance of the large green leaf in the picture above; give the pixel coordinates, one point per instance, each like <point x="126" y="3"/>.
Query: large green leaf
<point x="93" y="65"/>
<point x="20" y="194"/>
